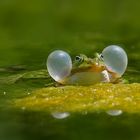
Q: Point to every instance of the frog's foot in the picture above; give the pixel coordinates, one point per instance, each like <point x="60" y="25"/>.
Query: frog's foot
<point x="105" y="76"/>
<point x="108" y="77"/>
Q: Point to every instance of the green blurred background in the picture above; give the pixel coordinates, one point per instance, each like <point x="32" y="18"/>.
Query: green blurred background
<point x="31" y="29"/>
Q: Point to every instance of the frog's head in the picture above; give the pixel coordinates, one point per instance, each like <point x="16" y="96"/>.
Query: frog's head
<point x="83" y="62"/>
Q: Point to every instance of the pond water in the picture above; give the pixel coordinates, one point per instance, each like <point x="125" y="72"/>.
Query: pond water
<point x="29" y="32"/>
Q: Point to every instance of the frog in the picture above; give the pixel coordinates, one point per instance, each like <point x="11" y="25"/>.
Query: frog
<point x="87" y="71"/>
<point x="83" y="70"/>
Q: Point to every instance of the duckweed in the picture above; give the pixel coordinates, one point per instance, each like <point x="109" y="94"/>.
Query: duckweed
<point x="99" y="97"/>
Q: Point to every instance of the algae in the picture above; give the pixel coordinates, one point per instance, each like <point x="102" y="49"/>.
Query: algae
<point x="99" y="97"/>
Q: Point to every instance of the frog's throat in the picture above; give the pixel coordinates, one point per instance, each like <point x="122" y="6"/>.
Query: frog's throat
<point x="91" y="68"/>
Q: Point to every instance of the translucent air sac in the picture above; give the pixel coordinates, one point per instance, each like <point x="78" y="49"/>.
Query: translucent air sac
<point x="115" y="59"/>
<point x="59" y="65"/>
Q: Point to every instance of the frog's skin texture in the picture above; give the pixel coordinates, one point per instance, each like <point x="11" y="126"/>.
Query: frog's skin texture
<point x="86" y="71"/>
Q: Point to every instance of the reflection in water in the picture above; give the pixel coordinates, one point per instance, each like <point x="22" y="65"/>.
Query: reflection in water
<point x="114" y="112"/>
<point x="37" y="125"/>
<point x="60" y="115"/>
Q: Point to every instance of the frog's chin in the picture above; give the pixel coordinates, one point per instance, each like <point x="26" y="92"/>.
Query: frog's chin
<point x="83" y="78"/>
<point x="89" y="78"/>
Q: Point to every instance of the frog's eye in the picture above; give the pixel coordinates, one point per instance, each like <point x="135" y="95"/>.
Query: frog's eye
<point x="101" y="56"/>
<point x="115" y="59"/>
<point x="78" y="59"/>
<point x="59" y="65"/>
